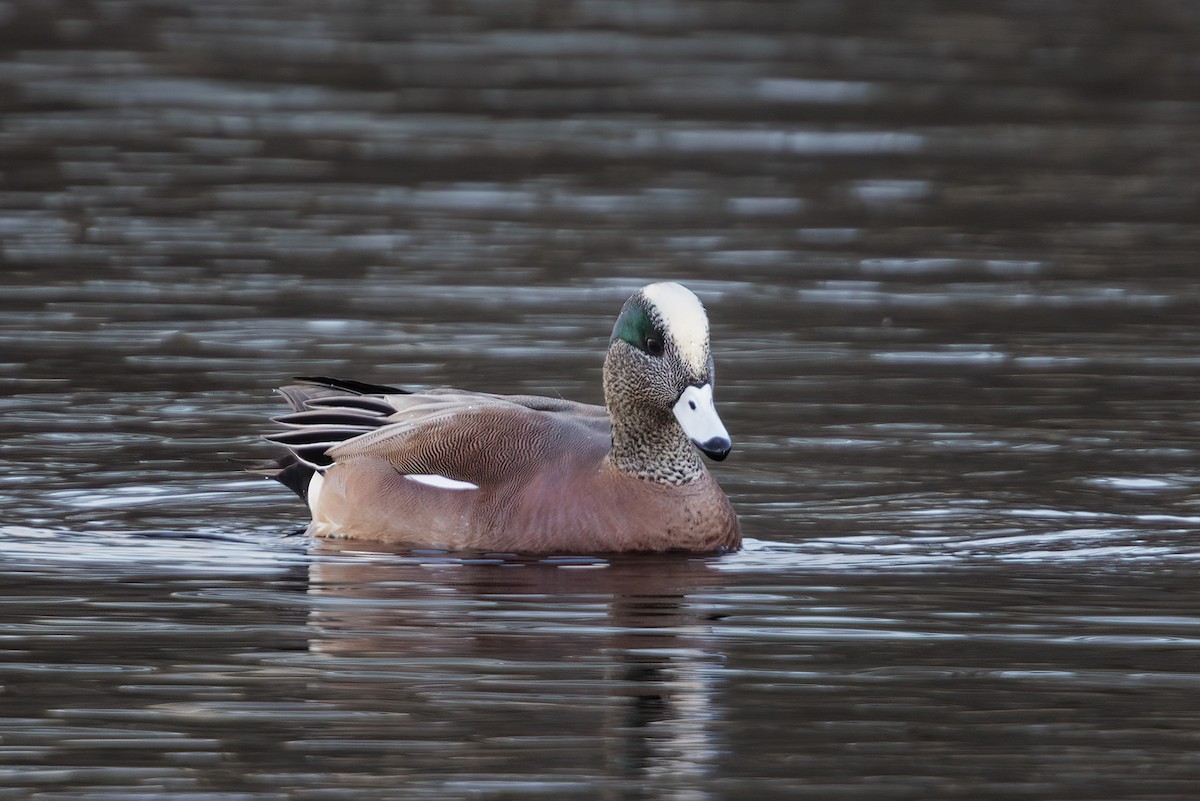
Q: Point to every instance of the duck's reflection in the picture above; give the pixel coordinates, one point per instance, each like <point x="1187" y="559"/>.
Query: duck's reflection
<point x="601" y="667"/>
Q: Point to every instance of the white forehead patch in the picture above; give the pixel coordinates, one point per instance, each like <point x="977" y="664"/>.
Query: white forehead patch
<point x="684" y="321"/>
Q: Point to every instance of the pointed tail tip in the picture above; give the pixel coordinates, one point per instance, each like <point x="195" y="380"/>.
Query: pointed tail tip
<point x="287" y="470"/>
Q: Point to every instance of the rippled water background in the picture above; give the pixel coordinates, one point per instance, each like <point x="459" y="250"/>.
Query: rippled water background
<point x="950" y="261"/>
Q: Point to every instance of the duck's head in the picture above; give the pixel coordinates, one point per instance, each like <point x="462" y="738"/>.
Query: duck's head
<point x="659" y="365"/>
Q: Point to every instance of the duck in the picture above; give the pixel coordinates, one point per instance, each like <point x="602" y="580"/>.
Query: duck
<point x="457" y="470"/>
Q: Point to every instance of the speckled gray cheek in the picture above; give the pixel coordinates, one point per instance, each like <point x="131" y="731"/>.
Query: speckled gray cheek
<point x="647" y="440"/>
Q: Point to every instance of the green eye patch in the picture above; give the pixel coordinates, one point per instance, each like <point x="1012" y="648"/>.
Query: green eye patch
<point x="634" y="326"/>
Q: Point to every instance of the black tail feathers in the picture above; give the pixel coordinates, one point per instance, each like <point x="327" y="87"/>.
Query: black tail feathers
<point x="325" y="412"/>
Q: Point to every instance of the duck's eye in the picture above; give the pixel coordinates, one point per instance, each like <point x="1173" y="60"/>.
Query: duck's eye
<point x="654" y="345"/>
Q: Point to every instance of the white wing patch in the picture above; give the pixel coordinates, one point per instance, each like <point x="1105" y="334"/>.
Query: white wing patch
<point x="684" y="321"/>
<point x="441" y="482"/>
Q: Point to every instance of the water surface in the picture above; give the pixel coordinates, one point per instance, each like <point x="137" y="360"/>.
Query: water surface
<point x="949" y="262"/>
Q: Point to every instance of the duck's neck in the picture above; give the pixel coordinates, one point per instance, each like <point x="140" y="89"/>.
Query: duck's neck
<point x="648" y="443"/>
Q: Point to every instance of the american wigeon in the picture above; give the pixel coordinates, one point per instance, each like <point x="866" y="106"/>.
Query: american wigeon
<point x="459" y="470"/>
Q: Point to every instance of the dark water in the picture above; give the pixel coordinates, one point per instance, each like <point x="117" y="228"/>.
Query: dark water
<point x="950" y="259"/>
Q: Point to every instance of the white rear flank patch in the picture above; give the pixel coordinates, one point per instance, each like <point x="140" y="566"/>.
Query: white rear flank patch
<point x="441" y="482"/>
<point x="684" y="321"/>
<point x="314" y="490"/>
